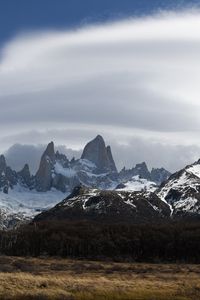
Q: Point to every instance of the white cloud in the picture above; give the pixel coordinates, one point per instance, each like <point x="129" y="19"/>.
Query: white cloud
<point x="138" y="77"/>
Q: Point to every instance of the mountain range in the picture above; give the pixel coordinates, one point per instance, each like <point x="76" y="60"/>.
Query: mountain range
<point x="93" y="188"/>
<point x="95" y="168"/>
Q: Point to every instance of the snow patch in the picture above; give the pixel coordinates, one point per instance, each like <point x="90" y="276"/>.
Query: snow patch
<point x="195" y="169"/>
<point x="186" y="204"/>
<point x="138" y="184"/>
<point x="28" y="203"/>
<point x="67" y="172"/>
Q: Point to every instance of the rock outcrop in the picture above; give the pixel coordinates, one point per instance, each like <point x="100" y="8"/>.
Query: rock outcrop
<point x="159" y="175"/>
<point x="8" y="177"/>
<point x="96" y="168"/>
<point x="43" y="177"/>
<point x="182" y="190"/>
<point x="25" y="177"/>
<point x="97" y="152"/>
<point x="108" y="206"/>
<point x="156" y="175"/>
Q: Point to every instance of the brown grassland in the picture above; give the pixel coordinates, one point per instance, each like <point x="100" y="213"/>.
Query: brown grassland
<point x="43" y="278"/>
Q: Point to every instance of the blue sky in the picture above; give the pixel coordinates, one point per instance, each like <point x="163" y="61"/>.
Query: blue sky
<point x="128" y="70"/>
<point x="24" y="15"/>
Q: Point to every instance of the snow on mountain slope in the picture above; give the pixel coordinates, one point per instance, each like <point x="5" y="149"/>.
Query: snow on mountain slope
<point x="194" y="169"/>
<point x="23" y="195"/>
<point x="21" y="204"/>
<point x="112" y="206"/>
<point x="182" y="190"/>
<point x="67" y="172"/>
<point x="137" y="184"/>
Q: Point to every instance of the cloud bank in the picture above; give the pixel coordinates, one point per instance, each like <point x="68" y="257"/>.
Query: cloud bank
<point x="128" y="155"/>
<point x="132" y="80"/>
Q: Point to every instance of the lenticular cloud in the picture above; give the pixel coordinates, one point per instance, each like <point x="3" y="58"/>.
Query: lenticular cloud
<point x="139" y="74"/>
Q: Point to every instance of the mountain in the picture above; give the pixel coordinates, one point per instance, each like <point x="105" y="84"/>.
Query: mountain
<point x="158" y="175"/>
<point x="108" y="206"/>
<point x="182" y="190"/>
<point x="23" y="195"/>
<point x="96" y="168"/>
<point x="136" y="183"/>
<point x="97" y="152"/>
<point x="178" y="197"/>
<point x="43" y="176"/>
<point x="25" y="178"/>
<point x="10" y="178"/>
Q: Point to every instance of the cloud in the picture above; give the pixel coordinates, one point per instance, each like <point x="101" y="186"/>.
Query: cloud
<point x="137" y="150"/>
<point x="171" y="157"/>
<point x="127" y="79"/>
<point x="18" y="155"/>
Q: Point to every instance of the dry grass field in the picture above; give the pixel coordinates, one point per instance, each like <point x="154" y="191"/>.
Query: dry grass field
<point x="42" y="279"/>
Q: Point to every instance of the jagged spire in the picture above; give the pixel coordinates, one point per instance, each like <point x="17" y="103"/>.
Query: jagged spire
<point x="25" y="171"/>
<point x="44" y="174"/>
<point x="111" y="160"/>
<point x="25" y="175"/>
<point x="50" y="152"/>
<point x="97" y="152"/>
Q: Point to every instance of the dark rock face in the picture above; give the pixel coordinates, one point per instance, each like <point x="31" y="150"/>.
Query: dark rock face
<point x="142" y="171"/>
<point x="109" y="206"/>
<point x="8" y="177"/>
<point x="182" y="191"/>
<point x="43" y="177"/>
<point x="156" y="175"/>
<point x="96" y="169"/>
<point x="62" y="159"/>
<point x="25" y="176"/>
<point x="50" y="153"/>
<point x="111" y="160"/>
<point x="57" y="171"/>
<point x="96" y="152"/>
<point x="159" y="175"/>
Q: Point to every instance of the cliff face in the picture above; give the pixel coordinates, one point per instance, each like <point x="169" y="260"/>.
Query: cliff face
<point x="43" y="177"/>
<point x="96" y="168"/>
<point x="97" y="152"/>
<point x="108" y="206"/>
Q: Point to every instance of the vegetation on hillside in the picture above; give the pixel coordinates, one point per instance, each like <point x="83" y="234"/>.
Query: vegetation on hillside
<point x="167" y="242"/>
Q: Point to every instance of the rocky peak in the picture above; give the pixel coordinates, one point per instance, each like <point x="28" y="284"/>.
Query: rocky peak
<point x="111" y="160"/>
<point x="8" y="177"/>
<point x="142" y="170"/>
<point x="62" y="158"/>
<point x="97" y="152"/>
<point x="25" y="171"/>
<point x="43" y="177"/>
<point x="25" y="175"/>
<point x="141" y="166"/>
<point x="49" y="152"/>
<point x="159" y="175"/>
<point x="107" y="206"/>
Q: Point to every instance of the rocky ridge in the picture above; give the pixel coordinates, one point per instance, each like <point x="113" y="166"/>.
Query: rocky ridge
<point x="23" y="195"/>
<point x="182" y="190"/>
<point x="108" y="206"/>
<point x="96" y="168"/>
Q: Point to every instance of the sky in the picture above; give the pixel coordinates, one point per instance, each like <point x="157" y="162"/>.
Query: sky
<point x="128" y="70"/>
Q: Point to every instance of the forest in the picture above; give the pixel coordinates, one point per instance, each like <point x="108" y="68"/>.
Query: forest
<point x="161" y="242"/>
